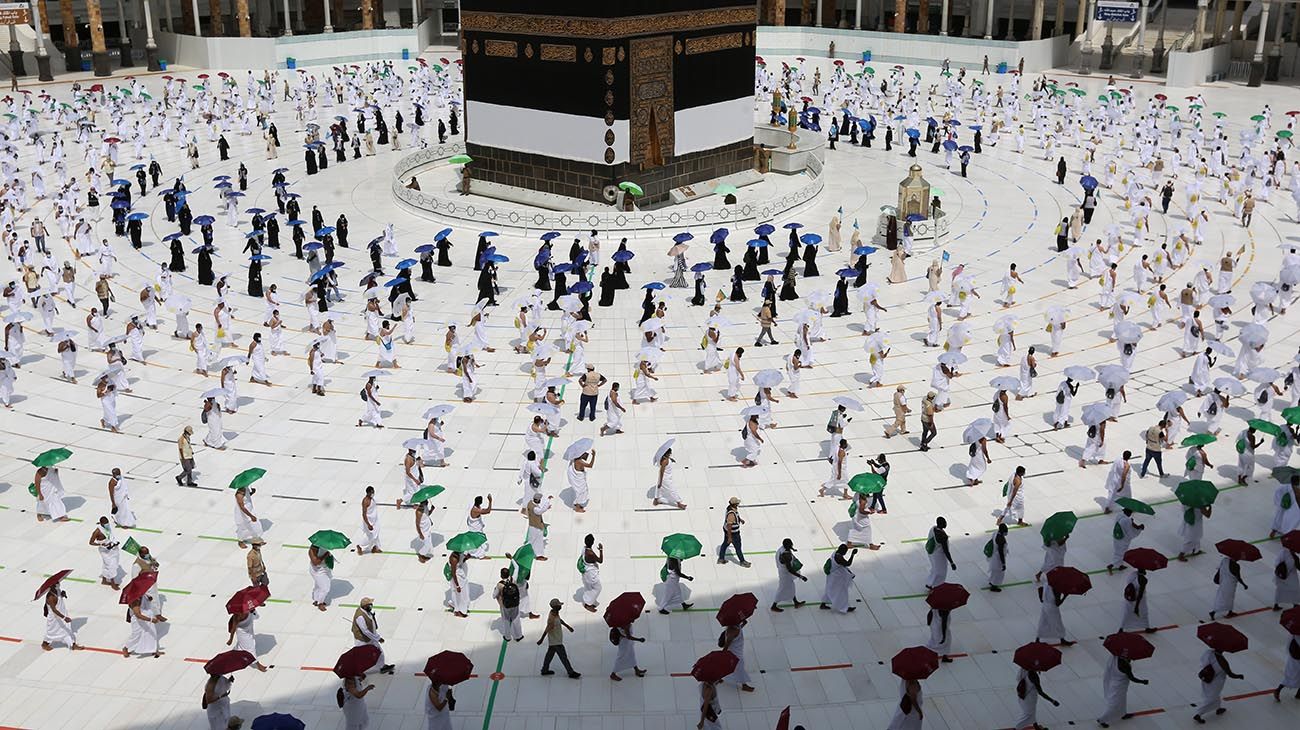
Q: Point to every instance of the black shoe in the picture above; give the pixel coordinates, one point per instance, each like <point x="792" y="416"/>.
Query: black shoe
<point x="575" y="675"/>
<point x="178" y="481"/>
<point x="687" y="606"/>
<point x="191" y="484"/>
<point x="547" y="672"/>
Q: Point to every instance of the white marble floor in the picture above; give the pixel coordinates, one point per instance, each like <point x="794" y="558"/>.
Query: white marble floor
<point x="833" y="669"/>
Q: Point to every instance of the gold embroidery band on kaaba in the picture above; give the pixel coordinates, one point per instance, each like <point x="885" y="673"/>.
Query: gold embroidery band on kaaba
<point x="503" y="49"/>
<point x="710" y="43"/>
<point x="554" y="52"/>
<point x="575" y="27"/>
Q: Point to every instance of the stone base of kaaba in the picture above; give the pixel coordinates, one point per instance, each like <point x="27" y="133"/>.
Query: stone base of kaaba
<point x="588" y="180"/>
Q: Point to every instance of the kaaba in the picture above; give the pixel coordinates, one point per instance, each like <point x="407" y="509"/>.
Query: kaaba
<point x="573" y="97"/>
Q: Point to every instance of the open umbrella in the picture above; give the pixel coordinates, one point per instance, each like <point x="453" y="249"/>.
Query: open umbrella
<point x="947" y="596"/>
<point x="631" y="188"/>
<point x="867" y="483"/>
<point x="329" y="540"/>
<point x="460" y="159"/>
<point x="1290" y="620"/>
<point x="624" y="609"/>
<point x="681" y="546"/>
<point x="1238" y="550"/>
<point x="1037" y="657"/>
<point x="1145" y="559"/>
<point x="1291" y="541"/>
<point x="247" y="599"/>
<point x="1196" y="493"/>
<point x="914" y="662"/>
<point x="51" y="457"/>
<point x="578" y="448"/>
<point x="423" y="494"/>
<point x="229" y="661"/>
<point x="1135" y="505"/>
<point x="448" y="667"/>
<point x="355" y="661"/>
<point x="1199" y="439"/>
<point x="277" y="721"/>
<point x="1058" y="526"/>
<point x="849" y="402"/>
<point x="247" y="477"/>
<point x="714" y="666"/>
<point x="1069" y="581"/>
<point x="1128" y="645"/>
<point x="1272" y="429"/>
<point x="980" y="428"/>
<point x="137" y="587"/>
<point x="51" y="582"/>
<point x="767" y="378"/>
<point x="1222" y="637"/>
<point x="737" y="609"/>
<point x="466" y="541"/>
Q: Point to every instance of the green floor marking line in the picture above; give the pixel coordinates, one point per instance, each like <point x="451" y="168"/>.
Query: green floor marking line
<point x="218" y="537"/>
<point x="906" y="597"/>
<point x="278" y="600"/>
<point x="375" y="605"/>
<point x="177" y="591"/>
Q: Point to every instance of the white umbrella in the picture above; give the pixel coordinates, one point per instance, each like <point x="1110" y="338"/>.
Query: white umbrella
<point x="649" y="354"/>
<point x="417" y="444"/>
<point x="804" y="316"/>
<point x="439" y="411"/>
<point x="18" y="317"/>
<point x="105" y="373"/>
<point x="1056" y="313"/>
<point x="935" y="297"/>
<point x="318" y="341"/>
<point x="1005" y="323"/>
<point x="1095" y="413"/>
<point x="663" y="449"/>
<point x="179" y="303"/>
<point x="62" y="334"/>
<point x="376" y="373"/>
<point x="1004" y="382"/>
<point x="980" y="428"/>
<point x="1126" y="299"/>
<point x="875" y="342"/>
<point x="1112" y="375"/>
<point x="555" y="383"/>
<point x="767" y="378"/>
<point x="1253" y="335"/>
<point x="1221" y="301"/>
<point x="754" y="411"/>
<point x="581" y="326"/>
<point x="1171" y="401"/>
<point x="1219" y="347"/>
<point x="952" y="359"/>
<point x="1229" y="386"/>
<point x="215" y="393"/>
<point x="545" y="409"/>
<point x="820" y="298"/>
<point x="853" y="404"/>
<point x="115" y="340"/>
<point x="868" y="290"/>
<point x="651" y="325"/>
<point x="543" y="351"/>
<point x="1079" y="373"/>
<point x="718" y="321"/>
<point x="1128" y="333"/>
<point x="570" y="303"/>
<point x="231" y="360"/>
<point x="1262" y="292"/>
<point x="1264" y="375"/>
<point x="578" y="448"/>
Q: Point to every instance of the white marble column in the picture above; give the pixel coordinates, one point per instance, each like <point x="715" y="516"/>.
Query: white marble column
<point x="198" y="26"/>
<point x="329" y="28"/>
<point x="857" y="16"/>
<point x="943" y="19"/>
<point x="1198" y="36"/>
<point x="988" y="22"/>
<point x="817" y="15"/>
<point x="288" y="20"/>
<point x="1263" y="31"/>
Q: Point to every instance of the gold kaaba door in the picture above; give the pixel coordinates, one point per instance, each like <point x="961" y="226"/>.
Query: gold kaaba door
<point x="652" y="100"/>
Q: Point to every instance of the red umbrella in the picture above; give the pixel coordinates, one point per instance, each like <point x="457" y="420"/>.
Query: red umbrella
<point x="947" y="596"/>
<point x="355" y="661"/>
<point x="800" y="59"/>
<point x="1162" y="97"/>
<point x="1291" y="620"/>
<point x="625" y="609"/>
<point x="1291" y="541"/>
<point x="203" y="76"/>
<point x="916" y="662"/>
<point x="229" y="661"/>
<point x="1238" y="550"/>
<point x="1145" y="559"/>
<point x="443" y="61"/>
<point x="51" y="582"/>
<point x="96" y="87"/>
<point x="1069" y="581"/>
<point x="223" y="75"/>
<point x="448" y="667"/>
<point x="139" y="585"/>
<point x="169" y="78"/>
<point x="111" y="140"/>
<point x="1222" y="637"/>
<point x="247" y="599"/>
<point x="783" y="722"/>
<point x="1293" y="112"/>
<point x="1128" y="645"/>
<point x="714" y="666"/>
<point x="839" y="62"/>
<point x="1037" y="657"/>
<point x="737" y="609"/>
<point x="1190" y="98"/>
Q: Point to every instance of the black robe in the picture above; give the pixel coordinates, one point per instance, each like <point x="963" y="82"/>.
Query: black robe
<point x="178" y="256"/>
<point x="720" y="262"/>
<point x="840" y="305"/>
<point x="444" y="248"/>
<point x="810" y="261"/>
<point x="426" y="267"/>
<point x="606" y="289"/>
<point x="750" y="270"/>
<point x="255" y="278"/>
<point x="206" y="277"/>
<point x="310" y="160"/>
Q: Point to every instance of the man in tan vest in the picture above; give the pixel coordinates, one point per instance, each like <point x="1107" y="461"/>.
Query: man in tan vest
<point x="365" y="630"/>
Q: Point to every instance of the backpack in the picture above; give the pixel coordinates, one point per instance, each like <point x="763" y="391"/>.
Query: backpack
<point x="930" y="545"/>
<point x="203" y="416"/>
<point x="338" y="697"/>
<point x="510" y="594"/>
<point x="582" y="564"/>
<point x="615" y="636"/>
<point x="826" y="567"/>
<point x="1206" y="674"/>
<point x="1130" y="592"/>
<point x="988" y="548"/>
<point x="363" y="394"/>
<point x="722" y="639"/>
<point x="1118" y="532"/>
<point x="1060" y="397"/>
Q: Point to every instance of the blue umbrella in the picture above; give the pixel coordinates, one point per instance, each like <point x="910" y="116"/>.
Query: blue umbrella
<point x="201" y="248"/>
<point x="325" y="231"/>
<point x="550" y="235"/>
<point x="810" y="239"/>
<point x="622" y="256"/>
<point x="931" y="120"/>
<point x="172" y="236"/>
<point x="235" y="194"/>
<point x="966" y="148"/>
<point x="954" y="123"/>
<point x="864" y="250"/>
<point x="864" y="123"/>
<point x="582" y="287"/>
<point x="279" y="170"/>
<point x="976" y="127"/>
<point x="913" y="133"/>
<point x="395" y="282"/>
<point x="790" y="227"/>
<point x="295" y="222"/>
<point x="332" y="266"/>
<point x="719" y="235"/>
<point x="757" y="243"/>
<point x="542" y="257"/>
<point x="252" y="234"/>
<point x="562" y="268"/>
<point x="442" y="234"/>
<point x="137" y="216"/>
<point x="291" y="196"/>
<point x="313" y="246"/>
<point x="950" y="145"/>
<point x="702" y="266"/>
<point x="847" y="272"/>
<point x="488" y="234"/>
<point x="406" y="263"/>
<point x="320" y="274"/>
<point x="766" y="229"/>
<point x="682" y="237"/>
<point x="220" y="177"/>
<point x="769" y="272"/>
<point x="119" y="204"/>
<point x="277" y="721"/>
<point x="913" y="217"/>
<point x="137" y="166"/>
<point x="259" y="257"/>
<point x="223" y="185"/>
<point x="900" y="117"/>
<point x="1088" y="182"/>
<point x="255" y="211"/>
<point x="205" y="220"/>
<point x="119" y="181"/>
<point x="653" y="286"/>
<point x="498" y="258"/>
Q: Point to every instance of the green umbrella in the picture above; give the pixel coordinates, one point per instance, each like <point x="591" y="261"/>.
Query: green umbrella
<point x="681" y="546"/>
<point x="946" y="73"/>
<point x="1272" y="429"/>
<point x="198" y="87"/>
<point x="466" y="541"/>
<point x="427" y="493"/>
<point x="437" y="68"/>
<point x="1220" y="115"/>
<point x="978" y="82"/>
<point x="460" y="159"/>
<point x="1258" y="118"/>
<point x="936" y="192"/>
<point x="146" y="95"/>
<point x="1135" y="505"/>
<point x="1195" y="106"/>
<point x="1103" y="98"/>
<point x="1078" y="92"/>
<point x="1171" y="107"/>
<point x="525" y="556"/>
<point x="51" y="457"/>
<point x="867" y="483"/>
<point x="1283" y="473"/>
<point x="1196" y="493"/>
<point x="1285" y="134"/>
<point x="1058" y="526"/>
<point x="1291" y="415"/>
<point x="247" y="477"/>
<point x="631" y="187"/>
<point x="1199" y="439"/>
<point x="329" y="540"/>
<point x="869" y="70"/>
<point x="726" y="189"/>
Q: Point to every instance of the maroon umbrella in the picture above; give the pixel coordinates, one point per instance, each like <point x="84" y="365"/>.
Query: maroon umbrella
<point x="1222" y="637"/>
<point x="139" y="585"/>
<point x="1291" y="620"/>
<point x="355" y="661"/>
<point x="783" y="722"/>
<point x="1291" y="541"/>
<point x="915" y="662"/>
<point x="1069" y="581"/>
<point x="1037" y="657"/>
<point x="625" y="609"/>
<point x="714" y="666"/>
<point x="247" y="599"/>
<point x="1238" y="550"/>
<point x="1146" y="559"/>
<point x="737" y="609"/>
<point x="448" y="667"/>
<point x="1128" y="645"/>
<point x="947" y="596"/>
<point x="50" y="582"/>
<point x="229" y="661"/>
